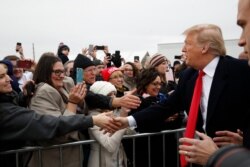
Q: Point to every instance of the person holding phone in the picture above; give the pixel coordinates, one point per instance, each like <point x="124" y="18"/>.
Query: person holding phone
<point x="22" y="69"/>
<point x="56" y="95"/>
<point x="137" y="63"/>
<point x="19" y="124"/>
<point x="19" y="50"/>
<point x="96" y="100"/>
<point x="88" y="67"/>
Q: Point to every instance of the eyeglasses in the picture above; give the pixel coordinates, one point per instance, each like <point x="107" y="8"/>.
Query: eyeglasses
<point x="59" y="72"/>
<point x="117" y="76"/>
<point x="156" y="84"/>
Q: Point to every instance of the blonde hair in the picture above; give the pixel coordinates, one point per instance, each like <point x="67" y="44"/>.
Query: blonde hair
<point x="209" y="34"/>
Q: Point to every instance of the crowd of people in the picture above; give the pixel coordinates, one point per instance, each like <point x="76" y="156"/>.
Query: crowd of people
<point x="43" y="103"/>
<point x="50" y="87"/>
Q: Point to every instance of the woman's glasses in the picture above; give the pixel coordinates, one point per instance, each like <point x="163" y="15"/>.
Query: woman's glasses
<point x="58" y="72"/>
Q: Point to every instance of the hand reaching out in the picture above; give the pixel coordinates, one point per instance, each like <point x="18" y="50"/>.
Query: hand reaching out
<point x="227" y="137"/>
<point x="128" y="101"/>
<point x="105" y="121"/>
<point x="123" y="121"/>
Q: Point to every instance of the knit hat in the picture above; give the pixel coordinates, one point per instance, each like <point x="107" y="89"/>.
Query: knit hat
<point x="82" y="61"/>
<point x="106" y="73"/>
<point x="102" y="87"/>
<point x="97" y="62"/>
<point x="156" y="60"/>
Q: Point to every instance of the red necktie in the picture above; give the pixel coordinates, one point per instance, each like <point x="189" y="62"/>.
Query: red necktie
<point x="193" y="113"/>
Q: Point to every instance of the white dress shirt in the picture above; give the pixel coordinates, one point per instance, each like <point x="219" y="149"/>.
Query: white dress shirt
<point x="207" y="80"/>
<point x="206" y="86"/>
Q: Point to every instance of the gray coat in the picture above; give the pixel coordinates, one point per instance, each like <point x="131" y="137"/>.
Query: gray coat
<point x="48" y="101"/>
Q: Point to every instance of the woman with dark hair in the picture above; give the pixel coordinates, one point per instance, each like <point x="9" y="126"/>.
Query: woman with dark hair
<point x="130" y="72"/>
<point x="149" y="84"/>
<point x="55" y="94"/>
<point x="148" y="89"/>
<point x="19" y="124"/>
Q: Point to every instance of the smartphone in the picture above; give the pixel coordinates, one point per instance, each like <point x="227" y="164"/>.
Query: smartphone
<point x="99" y="47"/>
<point x="91" y="48"/>
<point x="136" y="58"/>
<point x="18" y="46"/>
<point x="26" y="64"/>
<point x="79" y="75"/>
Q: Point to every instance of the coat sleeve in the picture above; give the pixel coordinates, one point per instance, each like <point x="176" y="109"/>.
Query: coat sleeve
<point x="153" y="117"/>
<point x="18" y="123"/>
<point x="48" y="101"/>
<point x="98" y="101"/>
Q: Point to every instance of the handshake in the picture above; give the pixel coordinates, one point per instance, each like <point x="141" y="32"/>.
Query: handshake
<point x="110" y="123"/>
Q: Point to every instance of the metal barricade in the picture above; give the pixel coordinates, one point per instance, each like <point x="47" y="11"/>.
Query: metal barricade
<point x="20" y="152"/>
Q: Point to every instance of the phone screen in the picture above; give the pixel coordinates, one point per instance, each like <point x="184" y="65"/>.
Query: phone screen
<point x="79" y="75"/>
<point x="99" y="47"/>
<point x="91" y="48"/>
<point x="26" y="64"/>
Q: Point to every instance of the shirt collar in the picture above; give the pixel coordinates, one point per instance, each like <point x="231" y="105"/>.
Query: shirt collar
<point x="210" y="68"/>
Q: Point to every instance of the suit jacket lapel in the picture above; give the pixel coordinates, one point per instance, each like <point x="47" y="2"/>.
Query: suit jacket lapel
<point x="218" y="84"/>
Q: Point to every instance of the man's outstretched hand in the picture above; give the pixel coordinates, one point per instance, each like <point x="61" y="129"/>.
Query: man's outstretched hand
<point x="129" y="101"/>
<point x="105" y="121"/>
<point x="121" y="122"/>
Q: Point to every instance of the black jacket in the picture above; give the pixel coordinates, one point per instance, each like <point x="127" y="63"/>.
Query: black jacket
<point x="19" y="124"/>
<point x="228" y="104"/>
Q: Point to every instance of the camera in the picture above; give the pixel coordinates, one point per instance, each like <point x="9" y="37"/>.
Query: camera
<point x="115" y="59"/>
<point x="178" y="57"/>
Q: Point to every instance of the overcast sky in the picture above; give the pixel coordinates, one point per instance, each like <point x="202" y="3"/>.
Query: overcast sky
<point x="131" y="26"/>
